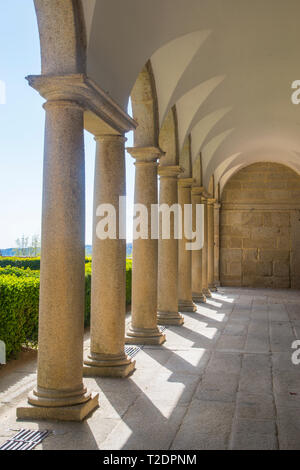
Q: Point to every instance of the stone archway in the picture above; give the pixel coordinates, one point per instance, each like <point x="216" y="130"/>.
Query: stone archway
<point x="260" y="228"/>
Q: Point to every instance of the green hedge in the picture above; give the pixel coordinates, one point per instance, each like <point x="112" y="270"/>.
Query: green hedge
<point x="19" y="272"/>
<point x="31" y="263"/>
<point x="128" y="280"/>
<point x="88" y="281"/>
<point x="19" y="304"/>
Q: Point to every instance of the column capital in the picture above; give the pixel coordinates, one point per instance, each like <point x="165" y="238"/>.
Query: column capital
<point x="197" y="190"/>
<point x="207" y="197"/>
<point x="217" y="205"/>
<point x="211" y="201"/>
<point x="169" y="171"/>
<point x="185" y="182"/>
<point x="62" y="104"/>
<point x="102" y="114"/>
<point x="145" y="154"/>
<point x="110" y="138"/>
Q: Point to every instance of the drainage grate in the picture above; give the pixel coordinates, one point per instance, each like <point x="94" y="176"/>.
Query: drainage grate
<point x="25" y="440"/>
<point x="132" y="350"/>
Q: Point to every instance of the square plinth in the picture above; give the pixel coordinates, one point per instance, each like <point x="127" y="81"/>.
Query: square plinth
<point x="187" y="308"/>
<point x="60" y="413"/>
<point x="145" y="340"/>
<point x="170" y="321"/>
<point x="109" y="371"/>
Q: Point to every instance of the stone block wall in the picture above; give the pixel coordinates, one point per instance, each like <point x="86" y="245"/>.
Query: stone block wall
<point x="260" y="228"/>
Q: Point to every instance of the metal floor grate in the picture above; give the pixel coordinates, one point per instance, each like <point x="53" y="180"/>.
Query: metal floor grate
<point x="132" y="351"/>
<point x="26" y="439"/>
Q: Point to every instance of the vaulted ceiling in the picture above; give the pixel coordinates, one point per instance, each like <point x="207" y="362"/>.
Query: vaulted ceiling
<point x="227" y="65"/>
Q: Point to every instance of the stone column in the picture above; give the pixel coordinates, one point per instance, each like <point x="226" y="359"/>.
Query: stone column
<point x="210" y="245"/>
<point x="60" y="393"/>
<point x="168" y="252"/>
<point x="206" y="290"/>
<point x="108" y="297"/>
<point x="197" y="288"/>
<point x="185" y="303"/>
<point x="217" y="207"/>
<point x="143" y="328"/>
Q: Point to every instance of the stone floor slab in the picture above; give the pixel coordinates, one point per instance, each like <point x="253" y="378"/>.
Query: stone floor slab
<point x="223" y="380"/>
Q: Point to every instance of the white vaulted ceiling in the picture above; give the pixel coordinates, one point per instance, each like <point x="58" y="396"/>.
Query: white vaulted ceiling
<point x="227" y="65"/>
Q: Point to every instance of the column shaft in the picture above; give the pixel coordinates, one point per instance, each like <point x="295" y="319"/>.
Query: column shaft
<point x="206" y="290"/>
<point x="108" y="297"/>
<point x="197" y="288"/>
<point x="211" y="243"/>
<point x="168" y="251"/>
<point x="185" y="302"/>
<point x="143" y="328"/>
<point x="217" y="244"/>
<point x="62" y="281"/>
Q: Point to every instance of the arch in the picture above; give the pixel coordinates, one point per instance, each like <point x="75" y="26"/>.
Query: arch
<point x="189" y="104"/>
<point x="197" y="171"/>
<point x="169" y="64"/>
<point x="259" y="226"/>
<point x="202" y="129"/>
<point x="168" y="139"/>
<point x="62" y="36"/>
<point x="185" y="158"/>
<point x="211" y="186"/>
<point x="236" y="162"/>
<point x="145" y="109"/>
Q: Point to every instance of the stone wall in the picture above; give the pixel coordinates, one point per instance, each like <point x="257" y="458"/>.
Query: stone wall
<point x="260" y="228"/>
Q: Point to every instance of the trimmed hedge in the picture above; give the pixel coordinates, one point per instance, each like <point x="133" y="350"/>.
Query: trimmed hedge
<point x="128" y="280"/>
<point x="12" y="270"/>
<point x="31" y="263"/>
<point x="19" y="304"/>
<point x="88" y="282"/>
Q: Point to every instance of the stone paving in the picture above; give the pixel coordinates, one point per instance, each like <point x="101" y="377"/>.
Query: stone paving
<point x="224" y="380"/>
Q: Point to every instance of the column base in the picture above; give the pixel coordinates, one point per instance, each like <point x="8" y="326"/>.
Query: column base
<point x="60" y="413"/>
<point x="199" y="298"/>
<point x="207" y="293"/>
<point x="103" y="365"/>
<point x="144" y="336"/>
<point x="169" y="318"/>
<point x="217" y="283"/>
<point x="187" y="306"/>
<point x="213" y="288"/>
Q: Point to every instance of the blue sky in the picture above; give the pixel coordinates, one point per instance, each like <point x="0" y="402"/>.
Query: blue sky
<point x="22" y="131"/>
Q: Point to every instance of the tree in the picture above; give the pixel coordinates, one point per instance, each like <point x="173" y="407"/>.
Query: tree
<point x="24" y="249"/>
<point x="35" y="246"/>
<point x="22" y="246"/>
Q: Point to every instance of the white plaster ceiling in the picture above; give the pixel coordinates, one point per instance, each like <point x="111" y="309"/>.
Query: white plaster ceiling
<point x="227" y="65"/>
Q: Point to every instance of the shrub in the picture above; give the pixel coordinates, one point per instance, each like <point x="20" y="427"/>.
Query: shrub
<point x="31" y="263"/>
<point x="19" y="304"/>
<point x="88" y="282"/>
<point x="12" y="270"/>
<point x="128" y="280"/>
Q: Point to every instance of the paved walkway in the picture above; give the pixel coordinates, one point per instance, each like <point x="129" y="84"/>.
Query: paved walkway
<point x="225" y="380"/>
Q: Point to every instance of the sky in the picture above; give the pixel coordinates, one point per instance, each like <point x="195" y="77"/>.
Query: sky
<point x="22" y="132"/>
